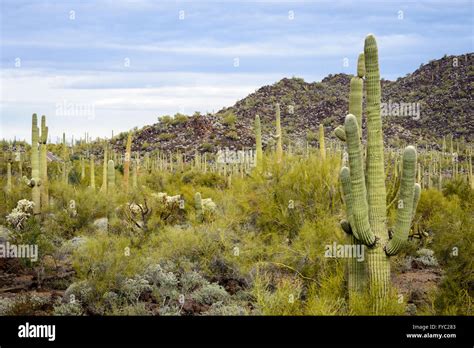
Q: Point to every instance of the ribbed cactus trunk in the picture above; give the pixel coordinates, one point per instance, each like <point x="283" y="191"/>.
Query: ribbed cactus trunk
<point x="110" y="176"/>
<point x="44" y="164"/>
<point x="103" y="188"/>
<point x="83" y="169"/>
<point x="35" y="180"/>
<point x="258" y="143"/>
<point x="92" y="173"/>
<point x="322" y="144"/>
<point x="278" y="135"/>
<point x="126" y="165"/>
<point x="65" y="160"/>
<point x="135" y="173"/>
<point x="365" y="193"/>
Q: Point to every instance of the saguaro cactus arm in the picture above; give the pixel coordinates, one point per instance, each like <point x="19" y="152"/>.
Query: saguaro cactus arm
<point x="358" y="190"/>
<point x="405" y="202"/>
<point x="345" y="178"/>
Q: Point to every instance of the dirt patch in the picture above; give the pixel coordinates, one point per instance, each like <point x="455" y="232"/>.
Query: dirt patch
<point x="416" y="284"/>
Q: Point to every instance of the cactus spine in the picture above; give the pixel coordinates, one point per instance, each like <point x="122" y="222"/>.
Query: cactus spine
<point x="322" y="146"/>
<point x="258" y="142"/>
<point x="278" y="135"/>
<point x="366" y="194"/>
<point x="126" y="166"/>
<point x="44" y="164"/>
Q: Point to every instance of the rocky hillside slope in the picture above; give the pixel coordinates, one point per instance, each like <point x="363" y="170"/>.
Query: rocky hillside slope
<point x="441" y="91"/>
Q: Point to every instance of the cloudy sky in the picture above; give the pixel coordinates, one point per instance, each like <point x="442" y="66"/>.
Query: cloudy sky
<point x="99" y="66"/>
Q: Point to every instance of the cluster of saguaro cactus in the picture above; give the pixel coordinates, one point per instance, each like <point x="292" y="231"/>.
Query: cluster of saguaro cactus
<point x="35" y="181"/>
<point x="364" y="186"/>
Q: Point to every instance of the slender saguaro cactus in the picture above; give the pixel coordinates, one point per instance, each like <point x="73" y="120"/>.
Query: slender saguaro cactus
<point x="83" y="169"/>
<point x="357" y="274"/>
<point x="35" y="181"/>
<point x="278" y="135"/>
<point x="126" y="166"/>
<point x="92" y="169"/>
<point x="110" y="176"/>
<point x="258" y="142"/>
<point x="135" y="173"/>
<point x="365" y="195"/>
<point x="44" y="164"/>
<point x="103" y="188"/>
<point x="65" y="159"/>
<point x="322" y="145"/>
<point x="9" y="177"/>
<point x="198" y="207"/>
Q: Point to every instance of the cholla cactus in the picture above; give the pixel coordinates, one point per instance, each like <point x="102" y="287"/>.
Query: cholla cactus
<point x="364" y="187"/>
<point x="20" y="214"/>
<point x="35" y="181"/>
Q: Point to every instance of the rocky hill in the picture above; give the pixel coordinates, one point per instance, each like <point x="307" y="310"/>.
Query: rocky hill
<point x="433" y="101"/>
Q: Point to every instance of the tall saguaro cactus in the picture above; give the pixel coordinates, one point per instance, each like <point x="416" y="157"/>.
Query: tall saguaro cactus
<point x="110" y="176"/>
<point x="126" y="166"/>
<point x="92" y="172"/>
<point x="278" y="135"/>
<point x="35" y="181"/>
<point x="364" y="186"/>
<point x="65" y="160"/>
<point x="258" y="142"/>
<point x="44" y="164"/>
<point x="103" y="188"/>
<point x="322" y="145"/>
